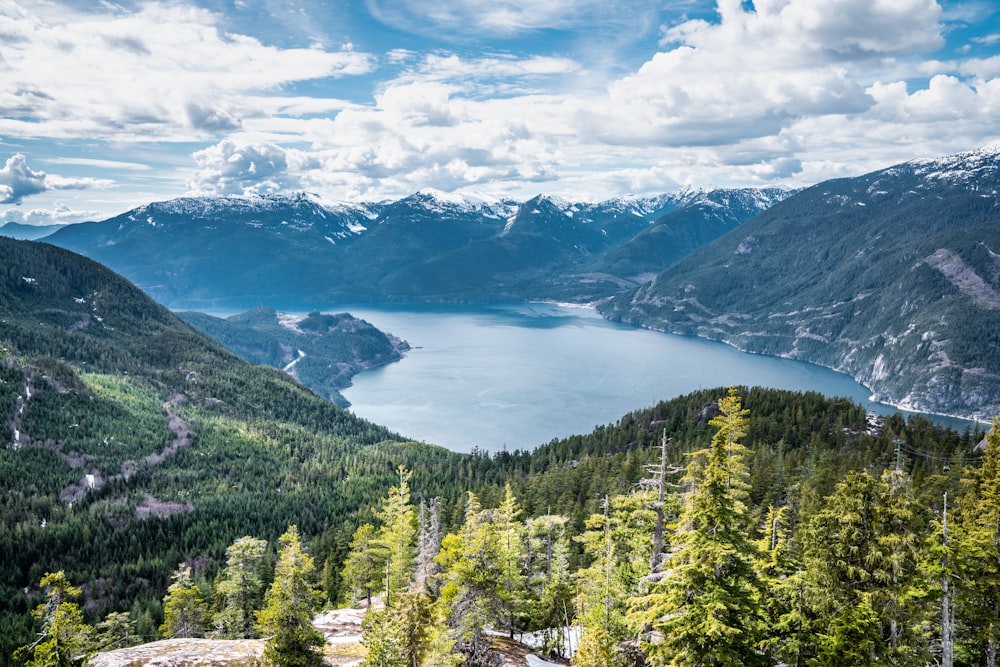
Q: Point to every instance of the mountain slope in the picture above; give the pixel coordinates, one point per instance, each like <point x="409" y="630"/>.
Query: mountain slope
<point x="16" y="230"/>
<point x="201" y="248"/>
<point x="130" y="442"/>
<point x="892" y="277"/>
<point x="677" y="233"/>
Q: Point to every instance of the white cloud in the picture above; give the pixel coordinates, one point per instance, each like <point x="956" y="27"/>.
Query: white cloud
<point x="164" y="72"/>
<point x="18" y="180"/>
<point x="788" y="93"/>
<point x="231" y="168"/>
<point x="58" y="213"/>
<point x="100" y="163"/>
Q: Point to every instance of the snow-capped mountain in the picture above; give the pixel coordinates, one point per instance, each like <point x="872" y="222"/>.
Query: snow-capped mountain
<point x="429" y="245"/>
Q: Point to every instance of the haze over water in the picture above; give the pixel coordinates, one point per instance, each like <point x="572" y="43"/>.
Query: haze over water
<point x="517" y="376"/>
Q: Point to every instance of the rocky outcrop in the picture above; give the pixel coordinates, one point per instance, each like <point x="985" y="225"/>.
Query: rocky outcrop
<point x="185" y="653"/>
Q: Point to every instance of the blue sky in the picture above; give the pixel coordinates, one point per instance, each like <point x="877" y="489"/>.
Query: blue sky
<point x="109" y="105"/>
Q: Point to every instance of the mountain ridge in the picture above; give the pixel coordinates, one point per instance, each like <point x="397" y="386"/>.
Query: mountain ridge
<point x="890" y="277"/>
<point x="302" y="251"/>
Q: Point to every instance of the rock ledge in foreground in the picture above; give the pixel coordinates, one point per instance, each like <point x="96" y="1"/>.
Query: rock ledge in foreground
<point x="185" y="653"/>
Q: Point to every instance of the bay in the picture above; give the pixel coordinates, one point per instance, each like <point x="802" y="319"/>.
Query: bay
<point x="517" y="376"/>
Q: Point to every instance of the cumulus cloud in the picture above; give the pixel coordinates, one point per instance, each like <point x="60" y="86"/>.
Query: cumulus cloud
<point x="231" y="168"/>
<point x="789" y="91"/>
<point x="18" y="180"/>
<point x="163" y="71"/>
<point x="755" y="71"/>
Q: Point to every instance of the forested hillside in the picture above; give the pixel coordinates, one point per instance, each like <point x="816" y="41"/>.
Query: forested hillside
<point x="322" y="351"/>
<point x="892" y="277"/>
<point x="741" y="526"/>
<point x="140" y="458"/>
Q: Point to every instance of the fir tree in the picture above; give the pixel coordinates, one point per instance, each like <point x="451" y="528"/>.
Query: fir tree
<point x="706" y="609"/>
<point x="185" y="612"/>
<point x="977" y="543"/>
<point x="382" y="638"/>
<point x="117" y="630"/>
<point x="861" y="556"/>
<point x="470" y="594"/>
<point x="286" y="620"/>
<point x="398" y="534"/>
<point x="510" y="535"/>
<point x="64" y="640"/>
<point x="241" y="589"/>
<point x="364" y="569"/>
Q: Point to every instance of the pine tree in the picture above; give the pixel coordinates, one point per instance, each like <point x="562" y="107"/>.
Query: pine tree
<point x="861" y="554"/>
<point x="65" y="640"/>
<point x="510" y="535"/>
<point x="706" y="608"/>
<point x="977" y="545"/>
<point x="382" y="638"/>
<point x="597" y="647"/>
<point x="240" y="591"/>
<point x="780" y="569"/>
<point x="117" y="630"/>
<point x="364" y="569"/>
<point x="470" y="594"/>
<point x="185" y="612"/>
<point x="440" y="646"/>
<point x="398" y="533"/>
<point x="550" y="580"/>
<point x="286" y="620"/>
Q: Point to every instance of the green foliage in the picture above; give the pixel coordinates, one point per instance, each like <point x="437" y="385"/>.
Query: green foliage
<point x="240" y="590"/>
<point x="291" y="600"/>
<point x="65" y="640"/>
<point x="117" y="630"/>
<point x="861" y="552"/>
<point x="383" y="638"/>
<point x="364" y="568"/>
<point x="977" y="551"/>
<point x="185" y="612"/>
<point x="398" y="534"/>
<point x="706" y="608"/>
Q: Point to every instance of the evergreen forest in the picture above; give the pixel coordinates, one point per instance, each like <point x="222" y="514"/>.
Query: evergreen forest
<point x="155" y="485"/>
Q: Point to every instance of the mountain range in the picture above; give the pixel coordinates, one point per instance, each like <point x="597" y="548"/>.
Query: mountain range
<point x="299" y="250"/>
<point x="892" y="277"/>
<point x="130" y="443"/>
<point x="23" y="232"/>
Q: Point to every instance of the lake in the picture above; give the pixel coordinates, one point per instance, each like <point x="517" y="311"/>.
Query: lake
<point x="517" y="376"/>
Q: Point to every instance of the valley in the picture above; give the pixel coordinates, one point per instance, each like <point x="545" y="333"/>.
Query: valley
<point x="889" y="277"/>
<point x="141" y="451"/>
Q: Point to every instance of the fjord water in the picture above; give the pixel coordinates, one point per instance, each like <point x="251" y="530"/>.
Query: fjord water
<point x="517" y="376"/>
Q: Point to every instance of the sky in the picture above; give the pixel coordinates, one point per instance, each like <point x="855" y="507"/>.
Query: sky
<point x="105" y="106"/>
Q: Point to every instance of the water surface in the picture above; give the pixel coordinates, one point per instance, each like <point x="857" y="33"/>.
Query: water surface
<point x="518" y="376"/>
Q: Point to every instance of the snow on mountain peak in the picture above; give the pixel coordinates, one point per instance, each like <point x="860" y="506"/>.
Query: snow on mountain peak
<point x="438" y="201"/>
<point x="969" y="168"/>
